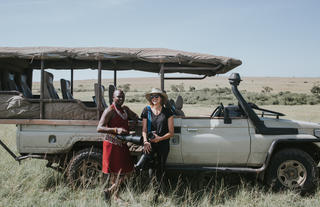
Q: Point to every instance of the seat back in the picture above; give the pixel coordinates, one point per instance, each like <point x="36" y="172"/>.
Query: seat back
<point x="66" y="89"/>
<point x="103" y="101"/>
<point x="112" y="88"/>
<point x="179" y="102"/>
<point x="172" y="106"/>
<point x="25" y="89"/>
<point x="179" y="105"/>
<point x="11" y="83"/>
<point x="49" y="90"/>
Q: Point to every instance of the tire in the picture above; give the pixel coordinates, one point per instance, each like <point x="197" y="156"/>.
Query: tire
<point x="85" y="168"/>
<point x="292" y="169"/>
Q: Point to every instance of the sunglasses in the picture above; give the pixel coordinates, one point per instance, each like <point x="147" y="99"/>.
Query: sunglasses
<point x="154" y="96"/>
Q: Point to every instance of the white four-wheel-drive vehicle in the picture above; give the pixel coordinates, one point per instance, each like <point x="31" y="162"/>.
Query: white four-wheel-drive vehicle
<point x="284" y="153"/>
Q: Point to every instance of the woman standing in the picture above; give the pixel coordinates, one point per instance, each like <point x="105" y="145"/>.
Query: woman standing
<point x="116" y="157"/>
<point x="160" y="121"/>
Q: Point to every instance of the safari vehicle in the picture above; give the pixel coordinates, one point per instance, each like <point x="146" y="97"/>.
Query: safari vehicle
<point x="284" y="153"/>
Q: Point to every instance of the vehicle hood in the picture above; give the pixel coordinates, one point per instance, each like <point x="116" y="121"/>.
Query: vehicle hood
<point x="303" y="126"/>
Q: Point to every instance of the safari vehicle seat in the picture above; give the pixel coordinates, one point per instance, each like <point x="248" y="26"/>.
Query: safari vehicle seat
<point x="104" y="104"/>
<point x="112" y="88"/>
<point x="49" y="90"/>
<point x="11" y="83"/>
<point x="172" y="106"/>
<point x="66" y="89"/>
<point x="176" y="106"/>
<point x="24" y="87"/>
<point x="179" y="105"/>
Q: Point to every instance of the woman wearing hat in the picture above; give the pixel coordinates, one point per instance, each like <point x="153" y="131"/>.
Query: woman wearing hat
<point x="160" y="121"/>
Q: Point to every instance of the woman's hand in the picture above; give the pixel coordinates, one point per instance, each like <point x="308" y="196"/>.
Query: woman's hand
<point x="156" y="138"/>
<point x="146" y="147"/>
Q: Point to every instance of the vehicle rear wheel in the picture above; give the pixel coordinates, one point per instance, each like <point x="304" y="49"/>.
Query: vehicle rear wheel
<point x="85" y="168"/>
<point x="292" y="169"/>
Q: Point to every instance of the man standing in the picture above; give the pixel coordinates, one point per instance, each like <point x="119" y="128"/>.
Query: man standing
<point x="116" y="156"/>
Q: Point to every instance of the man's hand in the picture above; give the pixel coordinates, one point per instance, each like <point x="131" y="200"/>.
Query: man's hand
<point x="122" y="131"/>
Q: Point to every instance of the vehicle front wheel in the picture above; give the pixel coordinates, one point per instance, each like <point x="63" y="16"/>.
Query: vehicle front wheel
<point x="85" y="168"/>
<point x="292" y="169"/>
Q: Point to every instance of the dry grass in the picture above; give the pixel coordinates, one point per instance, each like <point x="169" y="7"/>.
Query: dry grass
<point x="32" y="184"/>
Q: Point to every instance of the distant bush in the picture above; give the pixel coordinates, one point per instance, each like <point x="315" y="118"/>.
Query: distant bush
<point x="125" y="87"/>
<point x="315" y="90"/>
<point x="205" y="90"/>
<point x="192" y="88"/>
<point x="177" y="88"/>
<point x="266" y="89"/>
<point x="215" y="96"/>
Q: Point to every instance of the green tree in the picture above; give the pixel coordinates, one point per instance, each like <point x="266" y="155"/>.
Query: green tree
<point x="315" y="90"/>
<point x="192" y="88"/>
<point x="266" y="89"/>
<point x="125" y="87"/>
<point x="177" y="88"/>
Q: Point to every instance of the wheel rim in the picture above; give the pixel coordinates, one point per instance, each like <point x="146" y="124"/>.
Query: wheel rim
<point x="89" y="173"/>
<point x="292" y="174"/>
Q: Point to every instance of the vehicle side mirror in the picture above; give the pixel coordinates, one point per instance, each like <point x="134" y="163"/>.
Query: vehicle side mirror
<point x="226" y="117"/>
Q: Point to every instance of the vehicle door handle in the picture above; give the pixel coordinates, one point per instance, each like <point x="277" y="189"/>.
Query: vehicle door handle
<point x="192" y="129"/>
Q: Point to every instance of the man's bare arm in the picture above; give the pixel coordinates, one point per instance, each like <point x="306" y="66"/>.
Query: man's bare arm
<point x="104" y="120"/>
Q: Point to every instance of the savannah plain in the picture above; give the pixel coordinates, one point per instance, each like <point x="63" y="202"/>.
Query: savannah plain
<point x="32" y="184"/>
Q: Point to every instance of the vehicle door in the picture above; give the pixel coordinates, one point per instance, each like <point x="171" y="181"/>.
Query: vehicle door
<point x="212" y="142"/>
<point x="175" y="156"/>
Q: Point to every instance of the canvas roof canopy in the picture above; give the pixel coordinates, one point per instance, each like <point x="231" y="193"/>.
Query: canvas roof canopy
<point x="143" y="59"/>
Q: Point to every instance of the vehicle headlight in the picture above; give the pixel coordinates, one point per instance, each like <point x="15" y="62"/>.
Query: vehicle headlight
<point x="317" y="133"/>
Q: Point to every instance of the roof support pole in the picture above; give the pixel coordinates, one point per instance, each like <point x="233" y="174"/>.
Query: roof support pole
<point x="162" y="77"/>
<point x="99" y="90"/>
<point x="115" y="78"/>
<point x="71" y="81"/>
<point x="42" y="90"/>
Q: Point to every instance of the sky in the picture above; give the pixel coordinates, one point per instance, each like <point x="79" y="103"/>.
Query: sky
<point x="274" y="38"/>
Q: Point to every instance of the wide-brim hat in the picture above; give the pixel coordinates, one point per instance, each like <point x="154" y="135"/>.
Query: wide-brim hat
<point x="157" y="91"/>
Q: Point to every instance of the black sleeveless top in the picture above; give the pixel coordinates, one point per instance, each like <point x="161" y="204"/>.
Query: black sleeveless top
<point x="159" y="123"/>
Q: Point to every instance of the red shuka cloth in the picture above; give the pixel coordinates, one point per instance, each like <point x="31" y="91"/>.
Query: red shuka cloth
<point x="116" y="158"/>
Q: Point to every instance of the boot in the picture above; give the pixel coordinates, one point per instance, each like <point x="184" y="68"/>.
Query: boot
<point x="142" y="161"/>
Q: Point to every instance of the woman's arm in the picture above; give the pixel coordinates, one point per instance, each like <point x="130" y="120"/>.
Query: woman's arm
<point x="167" y="135"/>
<point x="146" y="144"/>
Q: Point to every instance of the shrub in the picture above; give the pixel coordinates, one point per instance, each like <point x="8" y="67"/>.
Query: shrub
<point x="315" y="90"/>
<point x="205" y="90"/>
<point x="177" y="88"/>
<point x="266" y="89"/>
<point x="192" y="88"/>
<point x="125" y="87"/>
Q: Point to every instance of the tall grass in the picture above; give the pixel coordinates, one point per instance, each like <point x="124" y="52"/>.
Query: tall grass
<point x="32" y="184"/>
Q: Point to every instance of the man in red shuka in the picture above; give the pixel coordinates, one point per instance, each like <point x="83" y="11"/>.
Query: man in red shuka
<point x="116" y="159"/>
